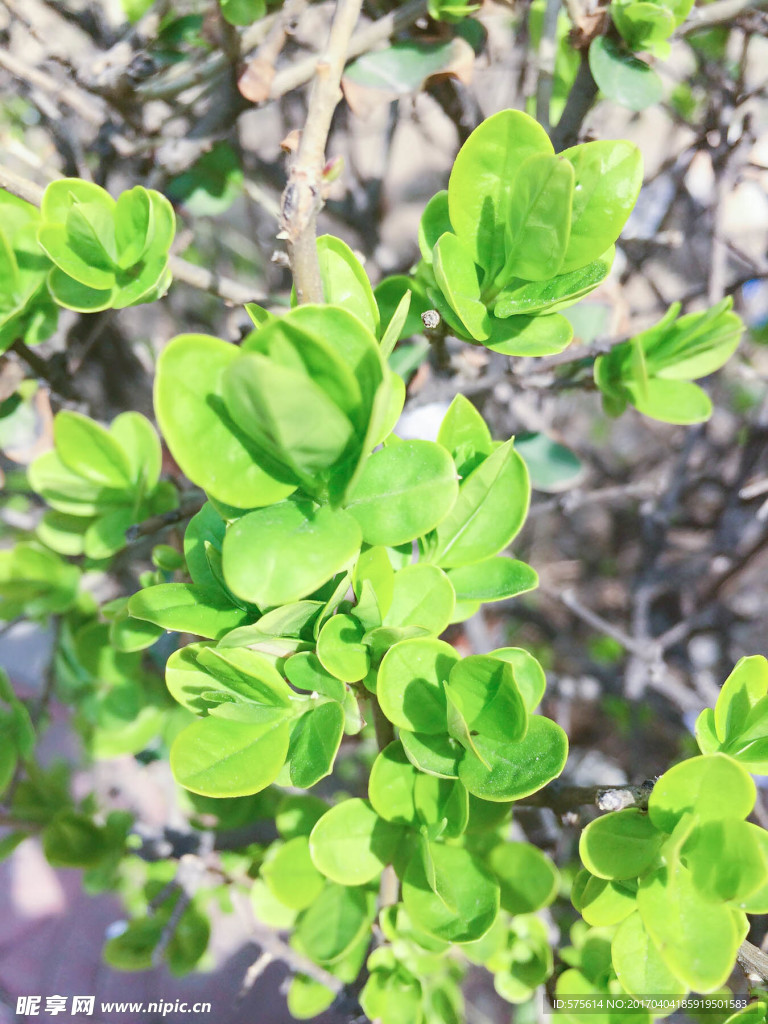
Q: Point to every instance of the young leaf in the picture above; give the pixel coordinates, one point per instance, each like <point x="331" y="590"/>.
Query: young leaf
<point x="410" y="685"/>
<point x="489" y="511"/>
<point x="340" y="648"/>
<point x="210" y="448"/>
<point x="403" y="492"/>
<point x="713" y="786"/>
<point x="622" y="77"/>
<point x="351" y="844"/>
<point x="457" y="278"/>
<point x="421" y="596"/>
<point x="517" y="769"/>
<point x="220" y="757"/>
<point x="291" y="875"/>
<point x="282" y="553"/>
<point x="481" y="183"/>
<point x="345" y="282"/>
<point x="452" y="896"/>
<point x="314" y="744"/>
<point x="623" y="844"/>
<point x="539" y="219"/>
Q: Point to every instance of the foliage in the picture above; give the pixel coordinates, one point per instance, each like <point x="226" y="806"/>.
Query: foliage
<point x="299" y="624"/>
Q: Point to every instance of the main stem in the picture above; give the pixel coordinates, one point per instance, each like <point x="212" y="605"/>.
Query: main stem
<point x="302" y="199"/>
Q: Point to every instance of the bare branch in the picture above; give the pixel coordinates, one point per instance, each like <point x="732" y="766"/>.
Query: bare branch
<point x="362" y="41"/>
<point x="718" y="13"/>
<point x="302" y="198"/>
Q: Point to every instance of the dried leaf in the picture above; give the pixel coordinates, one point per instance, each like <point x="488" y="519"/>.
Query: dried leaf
<point x="255" y="82"/>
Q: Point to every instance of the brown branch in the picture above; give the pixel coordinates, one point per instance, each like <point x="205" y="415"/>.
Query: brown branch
<point x="563" y="799"/>
<point x="79" y="102"/>
<point x="164" y="519"/>
<point x="302" y="198"/>
<point x="753" y="961"/>
<point x="579" y="103"/>
<point x="718" y="13"/>
<point x="271" y="943"/>
<point x="362" y="41"/>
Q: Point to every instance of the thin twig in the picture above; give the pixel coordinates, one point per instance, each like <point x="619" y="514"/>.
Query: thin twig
<point x="302" y="198"/>
<point x="648" y="652"/>
<point x="718" y="13"/>
<point x="580" y="99"/>
<point x="271" y="943"/>
<point x="159" y="522"/>
<point x="362" y="41"/>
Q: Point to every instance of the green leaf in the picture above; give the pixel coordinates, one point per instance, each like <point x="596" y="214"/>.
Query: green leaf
<point x="421" y="596"/>
<point x="529" y="675"/>
<point x="396" y="326"/>
<point x="351" y="844"/>
<point x="741" y="692"/>
<point x="215" y="180"/>
<point x="671" y="401"/>
<point x="480" y="189"/>
<point x="452" y="896"/>
<point x="243" y="12"/>
<point x="220" y="757"/>
<point x="609" y="174"/>
<point x="404" y="491"/>
<point x="697" y="939"/>
<point x="539" y="218"/>
<point x="622" y="77"/>
<point x="35" y="582"/>
<point x="638" y="963"/>
<point x="623" y="844"/>
<point x="210" y="449"/>
<point x="517" y="769"/>
<point x="493" y="579"/>
<point x="187" y="608"/>
<point x="457" y="277"/>
<point x="552" y="466"/>
<point x="89" y="450"/>
<point x="306" y="672"/>
<point x="341" y="650"/>
<point x="291" y="875"/>
<point x="465" y="434"/>
<point x="726" y="860"/>
<point x="529" y="335"/>
<point x="712" y="786"/>
<point x="528" y="880"/>
<point x="71" y="294"/>
<point x="434" y="223"/>
<point x="72" y="840"/>
<point x="602" y="902"/>
<point x="524" y="298"/>
<point x="483" y="688"/>
<point x="337" y="920"/>
<point x="292" y="423"/>
<point x="345" y="282"/>
<point x="490" y="509"/>
<point x="280" y="554"/>
<point x="410" y="684"/>
<point x="399" y="69"/>
<point x="433" y="753"/>
<point x="391" y="786"/>
<point x="642" y="24"/>
<point x="307" y="998"/>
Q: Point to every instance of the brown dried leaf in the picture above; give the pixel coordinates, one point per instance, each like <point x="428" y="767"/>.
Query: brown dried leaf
<point x="255" y="82"/>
